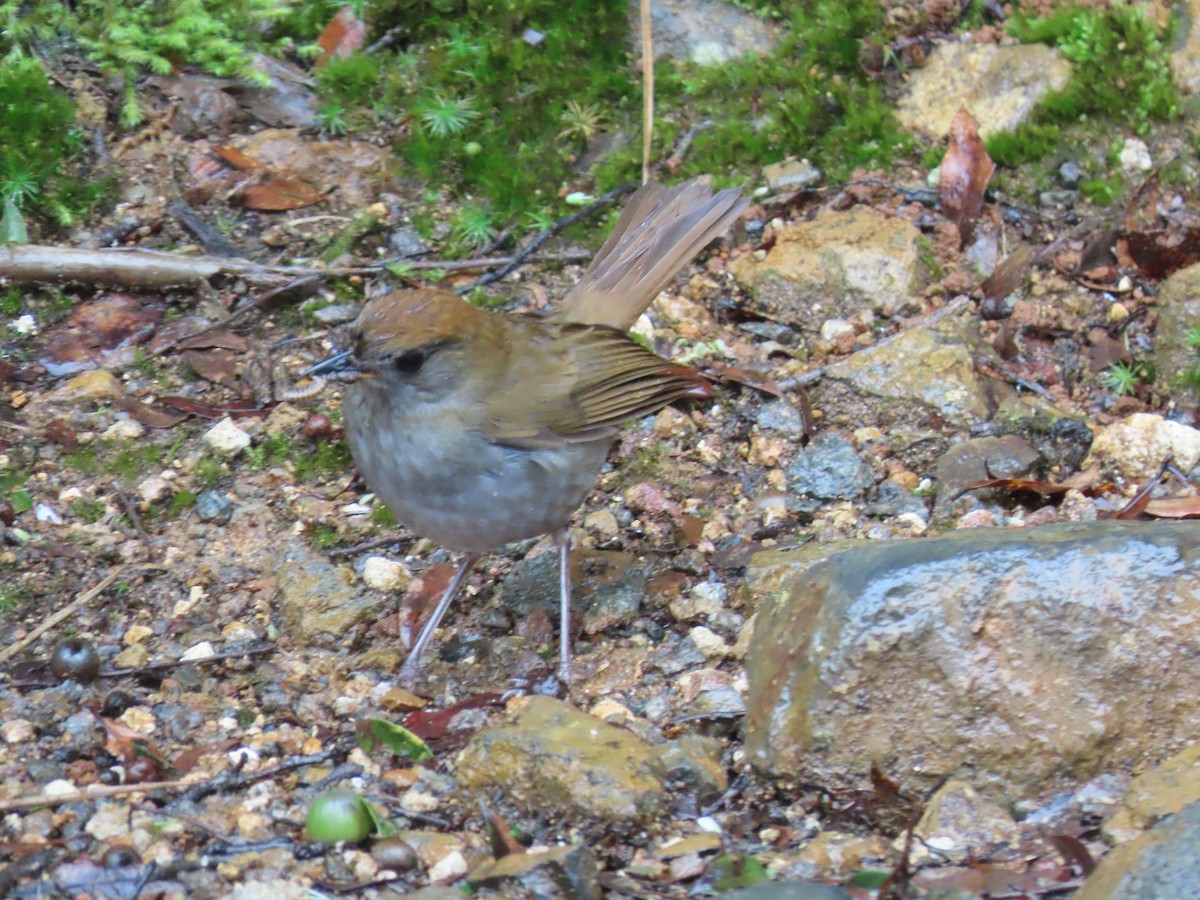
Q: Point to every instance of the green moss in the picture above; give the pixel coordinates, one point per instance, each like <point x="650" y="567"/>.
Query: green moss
<point x="181" y="502"/>
<point x="1102" y="191"/>
<point x="382" y="516"/>
<point x="210" y="472"/>
<point x="1120" y="65"/>
<point x="89" y="510"/>
<point x="317" y="459"/>
<point x="40" y="146"/>
<point x="1030" y="142"/>
<point x="324" y="537"/>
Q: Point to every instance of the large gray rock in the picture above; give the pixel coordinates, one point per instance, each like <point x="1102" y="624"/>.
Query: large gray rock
<point x="1163" y="864"/>
<point x="1176" y="359"/>
<point x="1015" y="659"/>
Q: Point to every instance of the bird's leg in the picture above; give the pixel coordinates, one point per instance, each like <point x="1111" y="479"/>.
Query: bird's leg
<point x="563" y="539"/>
<point x="413" y="664"/>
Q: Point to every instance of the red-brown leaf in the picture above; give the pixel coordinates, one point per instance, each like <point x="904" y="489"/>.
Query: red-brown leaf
<point x="344" y="34"/>
<point x="278" y="194"/>
<point x="965" y="173"/>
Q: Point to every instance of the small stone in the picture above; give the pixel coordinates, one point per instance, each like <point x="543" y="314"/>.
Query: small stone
<point x="451" y="866"/>
<point x="337" y="313"/>
<point x="1070" y="174"/>
<point x="1061" y="199"/>
<point x="417" y="801"/>
<point x="16" y="731"/>
<point x="708" y="642"/>
<point x="96" y="384"/>
<point x="977" y="518"/>
<point x="140" y="719"/>
<point x="1137" y="445"/>
<point x="226" y="438"/>
<point x="154" y="488"/>
<point x="602" y="522"/>
<point x="1117" y="313"/>
<point x="109" y="821"/>
<point x="135" y="634"/>
<point x="59" y="787"/>
<point x="131" y="657"/>
<point x="385" y="574"/>
<point x="24" y="325"/>
<point x="1135" y="157"/>
<point x="44" y="512"/>
<point x="832" y="329"/>
<point x="791" y="175"/>
<point x="124" y="430"/>
<point x="202" y="650"/>
<point x="214" y="506"/>
<point x="782" y="417"/>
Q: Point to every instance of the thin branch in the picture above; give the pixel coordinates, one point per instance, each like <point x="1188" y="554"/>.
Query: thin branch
<point x="647" y="90"/>
<point x="92" y="793"/>
<point x="62" y="614"/>
<point x="527" y="253"/>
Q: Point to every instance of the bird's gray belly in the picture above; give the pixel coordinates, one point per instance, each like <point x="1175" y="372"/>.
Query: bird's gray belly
<point x="465" y="492"/>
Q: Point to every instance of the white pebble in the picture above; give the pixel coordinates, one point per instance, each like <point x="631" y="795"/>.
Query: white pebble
<point x="226" y="438"/>
<point x="202" y="650"/>
<point x="385" y="574"/>
<point x="124" y="430"/>
<point x="1135" y="157"/>
<point x="16" y="731"/>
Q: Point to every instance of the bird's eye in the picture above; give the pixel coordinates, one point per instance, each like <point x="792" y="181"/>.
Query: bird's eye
<point x="410" y="361"/>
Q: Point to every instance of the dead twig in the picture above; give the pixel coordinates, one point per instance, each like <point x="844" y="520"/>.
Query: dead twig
<point x="231" y="780"/>
<point x="339" y="552"/>
<point x="68" y="610"/>
<point x="91" y="793"/>
<point x="647" y="90"/>
<point x="527" y="253"/>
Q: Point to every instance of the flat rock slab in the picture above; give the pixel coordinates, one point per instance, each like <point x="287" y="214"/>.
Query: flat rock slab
<point x="551" y="758"/>
<point x="1019" y="659"/>
<point x="1000" y="86"/>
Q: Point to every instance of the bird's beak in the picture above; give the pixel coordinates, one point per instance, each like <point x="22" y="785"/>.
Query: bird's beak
<point x="339" y="364"/>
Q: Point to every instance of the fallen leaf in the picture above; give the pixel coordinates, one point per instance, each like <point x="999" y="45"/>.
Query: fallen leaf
<point x="1010" y="274"/>
<point x="278" y="194"/>
<point x="344" y="34"/>
<point x="217" y="366"/>
<point x="1174" y="507"/>
<point x="236" y="158"/>
<point x="965" y="172"/>
<point x="148" y="415"/>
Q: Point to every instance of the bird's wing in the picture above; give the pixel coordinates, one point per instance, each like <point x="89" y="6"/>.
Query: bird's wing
<point x="584" y="384"/>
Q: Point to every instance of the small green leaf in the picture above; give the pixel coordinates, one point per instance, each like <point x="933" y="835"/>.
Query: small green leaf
<point x="381" y="826"/>
<point x="22" y="501"/>
<point x="396" y="738"/>
<point x="871" y="879"/>
<point x="739" y="872"/>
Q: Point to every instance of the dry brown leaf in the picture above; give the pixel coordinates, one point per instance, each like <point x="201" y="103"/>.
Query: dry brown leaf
<point x="344" y="34"/>
<point x="278" y="194"/>
<point x="965" y="173"/>
<point x="236" y="158"/>
<point x="1174" y="507"/>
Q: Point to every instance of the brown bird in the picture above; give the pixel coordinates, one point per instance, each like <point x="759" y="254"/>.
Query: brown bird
<point x="477" y="429"/>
